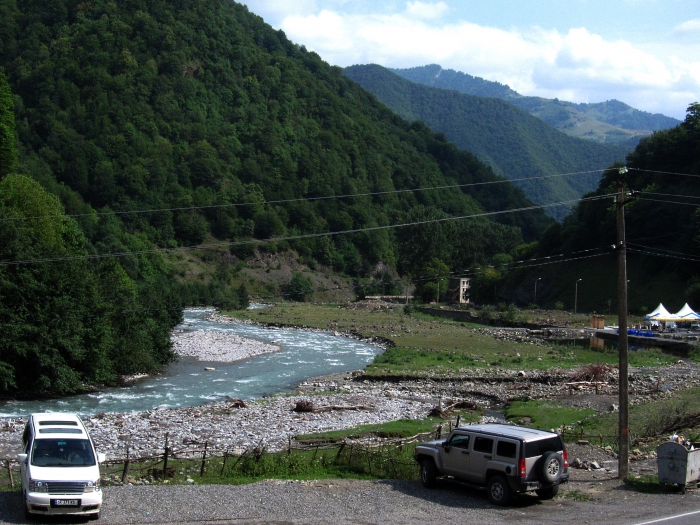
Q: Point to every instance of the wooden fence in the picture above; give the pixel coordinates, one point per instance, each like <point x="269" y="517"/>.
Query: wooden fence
<point x="156" y="466"/>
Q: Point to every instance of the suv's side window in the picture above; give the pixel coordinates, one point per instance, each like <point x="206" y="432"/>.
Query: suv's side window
<point x="482" y="444"/>
<point x="506" y="449"/>
<point x="459" y="441"/>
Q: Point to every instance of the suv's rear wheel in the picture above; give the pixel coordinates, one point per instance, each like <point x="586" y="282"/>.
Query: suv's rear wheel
<point x="552" y="467"/>
<point x="498" y="490"/>
<point x="548" y="492"/>
<point x="428" y="473"/>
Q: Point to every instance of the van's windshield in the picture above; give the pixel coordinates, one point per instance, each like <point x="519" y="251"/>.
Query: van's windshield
<point x="54" y="452"/>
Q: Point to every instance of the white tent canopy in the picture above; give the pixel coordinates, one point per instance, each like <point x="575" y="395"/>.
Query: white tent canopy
<point x="659" y="313"/>
<point x="687" y="314"/>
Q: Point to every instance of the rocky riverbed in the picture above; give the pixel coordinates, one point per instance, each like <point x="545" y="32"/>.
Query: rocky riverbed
<point x="230" y="425"/>
<point x="351" y="399"/>
<point x="217" y="346"/>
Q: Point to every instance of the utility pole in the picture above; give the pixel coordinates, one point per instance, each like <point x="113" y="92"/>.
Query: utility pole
<point x="624" y="430"/>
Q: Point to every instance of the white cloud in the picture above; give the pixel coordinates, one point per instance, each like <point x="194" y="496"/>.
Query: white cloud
<point x="426" y="11"/>
<point x="688" y="27"/>
<point x="578" y="65"/>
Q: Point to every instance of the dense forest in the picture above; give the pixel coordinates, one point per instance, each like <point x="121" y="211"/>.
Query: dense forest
<point x="517" y="145"/>
<point x="662" y="222"/>
<point x="129" y="130"/>
<point x="612" y="121"/>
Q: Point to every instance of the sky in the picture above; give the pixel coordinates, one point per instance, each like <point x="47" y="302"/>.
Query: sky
<point x="645" y="53"/>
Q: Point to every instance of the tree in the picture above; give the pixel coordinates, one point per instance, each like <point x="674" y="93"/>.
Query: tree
<point x="300" y="287"/>
<point x="8" y="151"/>
<point x="433" y="281"/>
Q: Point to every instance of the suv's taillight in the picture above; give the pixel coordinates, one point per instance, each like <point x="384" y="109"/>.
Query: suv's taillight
<point x="522" y="468"/>
<point x="565" y="455"/>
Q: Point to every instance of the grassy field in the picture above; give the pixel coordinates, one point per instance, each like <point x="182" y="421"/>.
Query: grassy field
<point x="428" y="346"/>
<point x="545" y="414"/>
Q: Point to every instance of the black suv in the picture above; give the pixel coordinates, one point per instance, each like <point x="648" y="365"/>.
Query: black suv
<point x="505" y="459"/>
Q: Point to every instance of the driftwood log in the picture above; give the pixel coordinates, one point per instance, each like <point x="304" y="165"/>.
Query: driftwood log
<point x="307" y="406"/>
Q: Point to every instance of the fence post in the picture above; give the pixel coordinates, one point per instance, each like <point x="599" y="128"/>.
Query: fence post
<point x="9" y="472"/>
<point x="438" y="432"/>
<point x="340" y="451"/>
<point x="457" y="423"/>
<point x="223" y="467"/>
<point x="125" y="472"/>
<point x="289" y="446"/>
<point x="166" y="450"/>
<point x="204" y="458"/>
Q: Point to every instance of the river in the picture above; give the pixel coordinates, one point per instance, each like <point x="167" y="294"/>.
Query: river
<point x="303" y="354"/>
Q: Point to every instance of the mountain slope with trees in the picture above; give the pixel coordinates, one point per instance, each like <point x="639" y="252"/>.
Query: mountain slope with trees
<point x="514" y="143"/>
<point x="147" y="127"/>
<point x="612" y="122"/>
<point x="662" y="227"/>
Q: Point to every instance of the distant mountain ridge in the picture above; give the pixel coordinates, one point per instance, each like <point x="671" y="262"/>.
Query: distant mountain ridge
<point x="514" y="143"/>
<point x="611" y="122"/>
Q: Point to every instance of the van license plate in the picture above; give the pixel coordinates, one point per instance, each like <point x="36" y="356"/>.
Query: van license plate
<point x="66" y="502"/>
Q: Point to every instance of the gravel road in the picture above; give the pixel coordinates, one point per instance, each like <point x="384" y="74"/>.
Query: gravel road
<point x="603" y="500"/>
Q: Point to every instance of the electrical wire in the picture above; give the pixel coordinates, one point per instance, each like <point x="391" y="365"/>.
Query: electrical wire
<point x="301" y="199"/>
<point x="664" y="172"/>
<point x="668" y="202"/>
<point x="302" y="236"/>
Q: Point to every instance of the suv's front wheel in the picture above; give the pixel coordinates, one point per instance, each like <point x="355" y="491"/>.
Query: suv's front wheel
<point x="498" y="490"/>
<point x="428" y="473"/>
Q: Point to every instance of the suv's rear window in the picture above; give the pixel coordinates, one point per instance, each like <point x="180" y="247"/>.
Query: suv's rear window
<point x="542" y="446"/>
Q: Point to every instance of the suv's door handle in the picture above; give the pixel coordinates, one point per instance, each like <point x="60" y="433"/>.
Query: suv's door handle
<point x="465" y="452"/>
<point x="487" y="456"/>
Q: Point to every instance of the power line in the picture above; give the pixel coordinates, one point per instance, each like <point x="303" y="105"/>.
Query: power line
<point x="669" y="195"/>
<point x="298" y="237"/>
<point x="664" y="172"/>
<point x="669" y="202"/>
<point x="301" y="199"/>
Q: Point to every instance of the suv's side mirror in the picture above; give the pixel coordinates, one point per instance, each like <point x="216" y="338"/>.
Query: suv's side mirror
<point x="446" y="445"/>
<point x="101" y="457"/>
<point x="21" y="458"/>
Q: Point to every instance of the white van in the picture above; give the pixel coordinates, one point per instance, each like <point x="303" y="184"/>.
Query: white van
<point x="59" y="467"/>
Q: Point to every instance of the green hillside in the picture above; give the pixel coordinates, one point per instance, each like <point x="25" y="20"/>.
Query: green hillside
<point x="516" y="144"/>
<point x="612" y="122"/>
<point x="149" y="128"/>
<point x="662" y="231"/>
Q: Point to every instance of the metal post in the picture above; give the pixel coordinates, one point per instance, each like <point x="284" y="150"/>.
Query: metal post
<point x="623" y="437"/>
<point x="576" y="295"/>
<point x="535" y="301"/>
<point x="166" y="452"/>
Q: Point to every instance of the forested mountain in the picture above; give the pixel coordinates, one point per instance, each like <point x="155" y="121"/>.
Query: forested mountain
<point x="151" y="125"/>
<point x="662" y="222"/>
<point x="611" y="122"/>
<point x="517" y="145"/>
